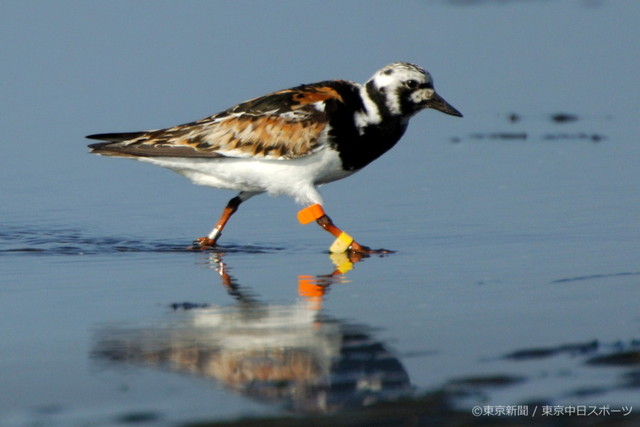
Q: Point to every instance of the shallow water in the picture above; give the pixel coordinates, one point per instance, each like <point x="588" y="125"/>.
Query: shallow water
<point x="514" y="281"/>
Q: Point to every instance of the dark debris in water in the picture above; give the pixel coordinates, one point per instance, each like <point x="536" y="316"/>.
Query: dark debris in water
<point x="580" y="136"/>
<point x="556" y="118"/>
<point x="620" y="353"/>
<point x="623" y="358"/>
<point x="559" y="118"/>
<point x="500" y="380"/>
<point x="514" y="117"/>
<point x="544" y="352"/>
<point x="596" y="276"/>
<point x="188" y="306"/>
<point x="522" y="136"/>
<point x="509" y="136"/>
<point x="564" y="117"/>
<point x="138" y="418"/>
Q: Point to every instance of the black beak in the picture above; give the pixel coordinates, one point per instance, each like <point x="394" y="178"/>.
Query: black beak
<point x="438" y="103"/>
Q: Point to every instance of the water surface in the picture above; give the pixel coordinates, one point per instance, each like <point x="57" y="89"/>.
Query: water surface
<point x="515" y="276"/>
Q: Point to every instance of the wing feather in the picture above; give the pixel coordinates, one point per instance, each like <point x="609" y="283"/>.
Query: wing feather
<point x="287" y="124"/>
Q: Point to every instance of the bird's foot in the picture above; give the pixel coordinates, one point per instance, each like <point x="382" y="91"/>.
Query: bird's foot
<point x="203" y="243"/>
<point x="357" y="248"/>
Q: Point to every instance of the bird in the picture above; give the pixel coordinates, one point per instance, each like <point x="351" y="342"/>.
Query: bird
<point x="289" y="142"/>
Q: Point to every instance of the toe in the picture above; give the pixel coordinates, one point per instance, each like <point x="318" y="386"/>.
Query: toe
<point x="365" y="250"/>
<point x="203" y="243"/>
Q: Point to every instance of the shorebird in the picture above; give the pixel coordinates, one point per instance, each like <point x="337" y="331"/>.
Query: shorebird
<point x="289" y="142"/>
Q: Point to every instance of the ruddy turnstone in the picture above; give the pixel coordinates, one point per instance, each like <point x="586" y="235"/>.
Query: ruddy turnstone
<point x="289" y="142"/>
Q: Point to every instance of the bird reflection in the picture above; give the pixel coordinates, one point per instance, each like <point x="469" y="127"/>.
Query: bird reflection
<point x="294" y="356"/>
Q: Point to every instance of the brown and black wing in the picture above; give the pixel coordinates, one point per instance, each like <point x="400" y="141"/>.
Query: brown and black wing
<point x="282" y="125"/>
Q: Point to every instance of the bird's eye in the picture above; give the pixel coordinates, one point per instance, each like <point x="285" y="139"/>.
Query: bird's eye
<point x="411" y="84"/>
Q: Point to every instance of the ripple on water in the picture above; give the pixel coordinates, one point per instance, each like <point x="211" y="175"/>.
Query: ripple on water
<point x="68" y="241"/>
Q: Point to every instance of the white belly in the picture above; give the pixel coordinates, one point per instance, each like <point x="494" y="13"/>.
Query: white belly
<point x="295" y="178"/>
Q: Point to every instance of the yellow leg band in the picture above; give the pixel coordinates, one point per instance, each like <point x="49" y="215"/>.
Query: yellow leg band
<point x="341" y="244"/>
<point x="310" y="214"/>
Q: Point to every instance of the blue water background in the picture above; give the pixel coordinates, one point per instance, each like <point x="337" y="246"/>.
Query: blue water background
<point x="513" y="230"/>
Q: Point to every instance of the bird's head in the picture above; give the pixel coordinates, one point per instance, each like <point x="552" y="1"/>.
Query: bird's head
<point x="405" y="89"/>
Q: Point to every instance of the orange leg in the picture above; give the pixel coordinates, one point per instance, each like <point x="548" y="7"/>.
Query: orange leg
<point x="212" y="238"/>
<point x="325" y="222"/>
<point x="352" y="248"/>
<point x="344" y="242"/>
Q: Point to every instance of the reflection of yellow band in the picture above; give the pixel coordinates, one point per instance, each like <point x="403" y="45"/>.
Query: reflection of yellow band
<point x="310" y="214"/>
<point x="342" y="262"/>
<point x="341" y="244"/>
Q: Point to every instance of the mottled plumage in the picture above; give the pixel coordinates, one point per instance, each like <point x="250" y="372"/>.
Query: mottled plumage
<point x="283" y="125"/>
<point x="289" y="141"/>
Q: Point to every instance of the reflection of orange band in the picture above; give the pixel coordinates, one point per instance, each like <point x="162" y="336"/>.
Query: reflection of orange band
<point x="307" y="287"/>
<point x="310" y="214"/>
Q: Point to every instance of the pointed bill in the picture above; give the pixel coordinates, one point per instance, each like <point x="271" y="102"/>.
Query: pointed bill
<point x="438" y="103"/>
